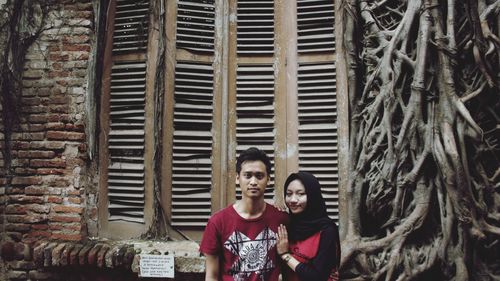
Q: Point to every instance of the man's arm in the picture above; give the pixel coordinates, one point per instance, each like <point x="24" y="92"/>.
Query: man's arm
<point x="211" y="268"/>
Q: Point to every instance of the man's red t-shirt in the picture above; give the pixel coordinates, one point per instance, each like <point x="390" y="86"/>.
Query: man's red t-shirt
<point x="246" y="247"/>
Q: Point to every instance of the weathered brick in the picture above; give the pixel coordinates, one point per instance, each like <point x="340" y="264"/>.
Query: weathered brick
<point x="25" y="199"/>
<point x="36" y="190"/>
<point x="47" y="254"/>
<point x="92" y="256"/>
<point x="52" y="163"/>
<point x="74" y="256"/>
<point x="101" y="256"/>
<point x="49" y="145"/>
<point x="59" y="108"/>
<point x="51" y="171"/>
<point x="34" y="109"/>
<point x="38" y="118"/>
<point x="26" y="180"/>
<point x="37" y="208"/>
<point x="20" y="145"/>
<point x="55" y="199"/>
<point x="110" y="254"/>
<point x="56" y="254"/>
<point x="68" y="209"/>
<point x="65" y="218"/>
<point x="16" y="209"/>
<point x="18" y="227"/>
<point x="38" y="234"/>
<point x="38" y="253"/>
<point x="14" y="190"/>
<point x="55" y="126"/>
<point x="39" y="227"/>
<point x="15" y="236"/>
<point x="74" y="192"/>
<point x="16" y="275"/>
<point x="63" y="135"/>
<point x="40" y="275"/>
<point x="22" y="265"/>
<point x="118" y="256"/>
<point x="31" y="101"/>
<point x="58" y="182"/>
<point x="83" y="254"/>
<point x="67" y="236"/>
<point x="76" y="39"/>
<point x="33" y="74"/>
<point x="29" y="218"/>
<point x="65" y="254"/>
<point x="58" y="57"/>
<point x="128" y="257"/>
<point x="20" y="163"/>
<point x="28" y="136"/>
<point x="74" y="200"/>
<point x="33" y="127"/>
<point x="76" y="47"/>
<point x="24" y="171"/>
<point x="36" y="154"/>
<point x="8" y="250"/>
<point x="59" y="118"/>
<point x="53" y="74"/>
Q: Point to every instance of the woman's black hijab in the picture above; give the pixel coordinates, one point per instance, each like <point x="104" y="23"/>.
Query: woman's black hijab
<point x="314" y="218"/>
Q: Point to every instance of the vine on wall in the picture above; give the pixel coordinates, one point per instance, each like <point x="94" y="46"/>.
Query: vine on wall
<point x="22" y="23"/>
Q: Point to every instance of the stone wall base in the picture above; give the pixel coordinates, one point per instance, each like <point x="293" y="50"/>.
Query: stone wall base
<point x="95" y="260"/>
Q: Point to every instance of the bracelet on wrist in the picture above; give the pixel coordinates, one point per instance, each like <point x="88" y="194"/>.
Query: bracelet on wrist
<point x="287" y="252"/>
<point x="286" y="258"/>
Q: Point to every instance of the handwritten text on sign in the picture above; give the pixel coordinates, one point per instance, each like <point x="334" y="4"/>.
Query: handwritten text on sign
<point x="157" y="266"/>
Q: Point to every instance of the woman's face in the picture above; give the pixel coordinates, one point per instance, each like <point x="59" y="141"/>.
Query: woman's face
<point x="296" y="197"/>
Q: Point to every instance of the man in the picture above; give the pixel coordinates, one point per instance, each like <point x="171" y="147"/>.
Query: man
<point x="239" y="242"/>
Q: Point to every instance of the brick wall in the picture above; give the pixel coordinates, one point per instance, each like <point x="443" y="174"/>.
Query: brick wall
<point x="48" y="195"/>
<point x="42" y="195"/>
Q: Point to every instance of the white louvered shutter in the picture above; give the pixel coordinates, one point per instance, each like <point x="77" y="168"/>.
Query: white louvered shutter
<point x="131" y="27"/>
<point x="196" y="25"/>
<point x="317" y="105"/>
<point x="317" y="114"/>
<point x="193" y="115"/>
<point x="255" y="113"/>
<point x="192" y="144"/>
<point x="315" y="24"/>
<point x="127" y="114"/>
<point x="255" y="21"/>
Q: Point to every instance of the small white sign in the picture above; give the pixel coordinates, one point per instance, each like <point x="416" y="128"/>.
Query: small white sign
<point x="156" y="266"/>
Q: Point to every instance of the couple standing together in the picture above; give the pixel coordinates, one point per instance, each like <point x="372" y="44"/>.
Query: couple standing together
<point x="251" y="240"/>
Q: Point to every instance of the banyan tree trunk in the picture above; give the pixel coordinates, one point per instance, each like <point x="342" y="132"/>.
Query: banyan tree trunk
<point x="424" y="102"/>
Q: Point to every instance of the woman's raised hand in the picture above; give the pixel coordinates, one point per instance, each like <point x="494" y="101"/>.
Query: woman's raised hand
<point x="282" y="245"/>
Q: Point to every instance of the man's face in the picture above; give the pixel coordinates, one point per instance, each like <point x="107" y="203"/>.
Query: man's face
<point x="252" y="179"/>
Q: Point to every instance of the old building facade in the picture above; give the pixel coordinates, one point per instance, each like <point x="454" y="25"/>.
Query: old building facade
<point x="128" y="117"/>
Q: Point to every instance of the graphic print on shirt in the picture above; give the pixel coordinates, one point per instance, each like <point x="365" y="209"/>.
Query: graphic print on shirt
<point x="253" y="254"/>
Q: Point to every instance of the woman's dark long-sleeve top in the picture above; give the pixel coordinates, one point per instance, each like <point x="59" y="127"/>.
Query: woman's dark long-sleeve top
<point x="327" y="258"/>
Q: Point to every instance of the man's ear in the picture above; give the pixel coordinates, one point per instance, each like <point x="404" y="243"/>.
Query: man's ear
<point x="237" y="179"/>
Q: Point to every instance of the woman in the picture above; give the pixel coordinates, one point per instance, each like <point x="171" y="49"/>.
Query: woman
<point x="311" y="247"/>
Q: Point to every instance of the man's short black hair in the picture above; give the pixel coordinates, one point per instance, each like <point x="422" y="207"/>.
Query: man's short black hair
<point x="253" y="154"/>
